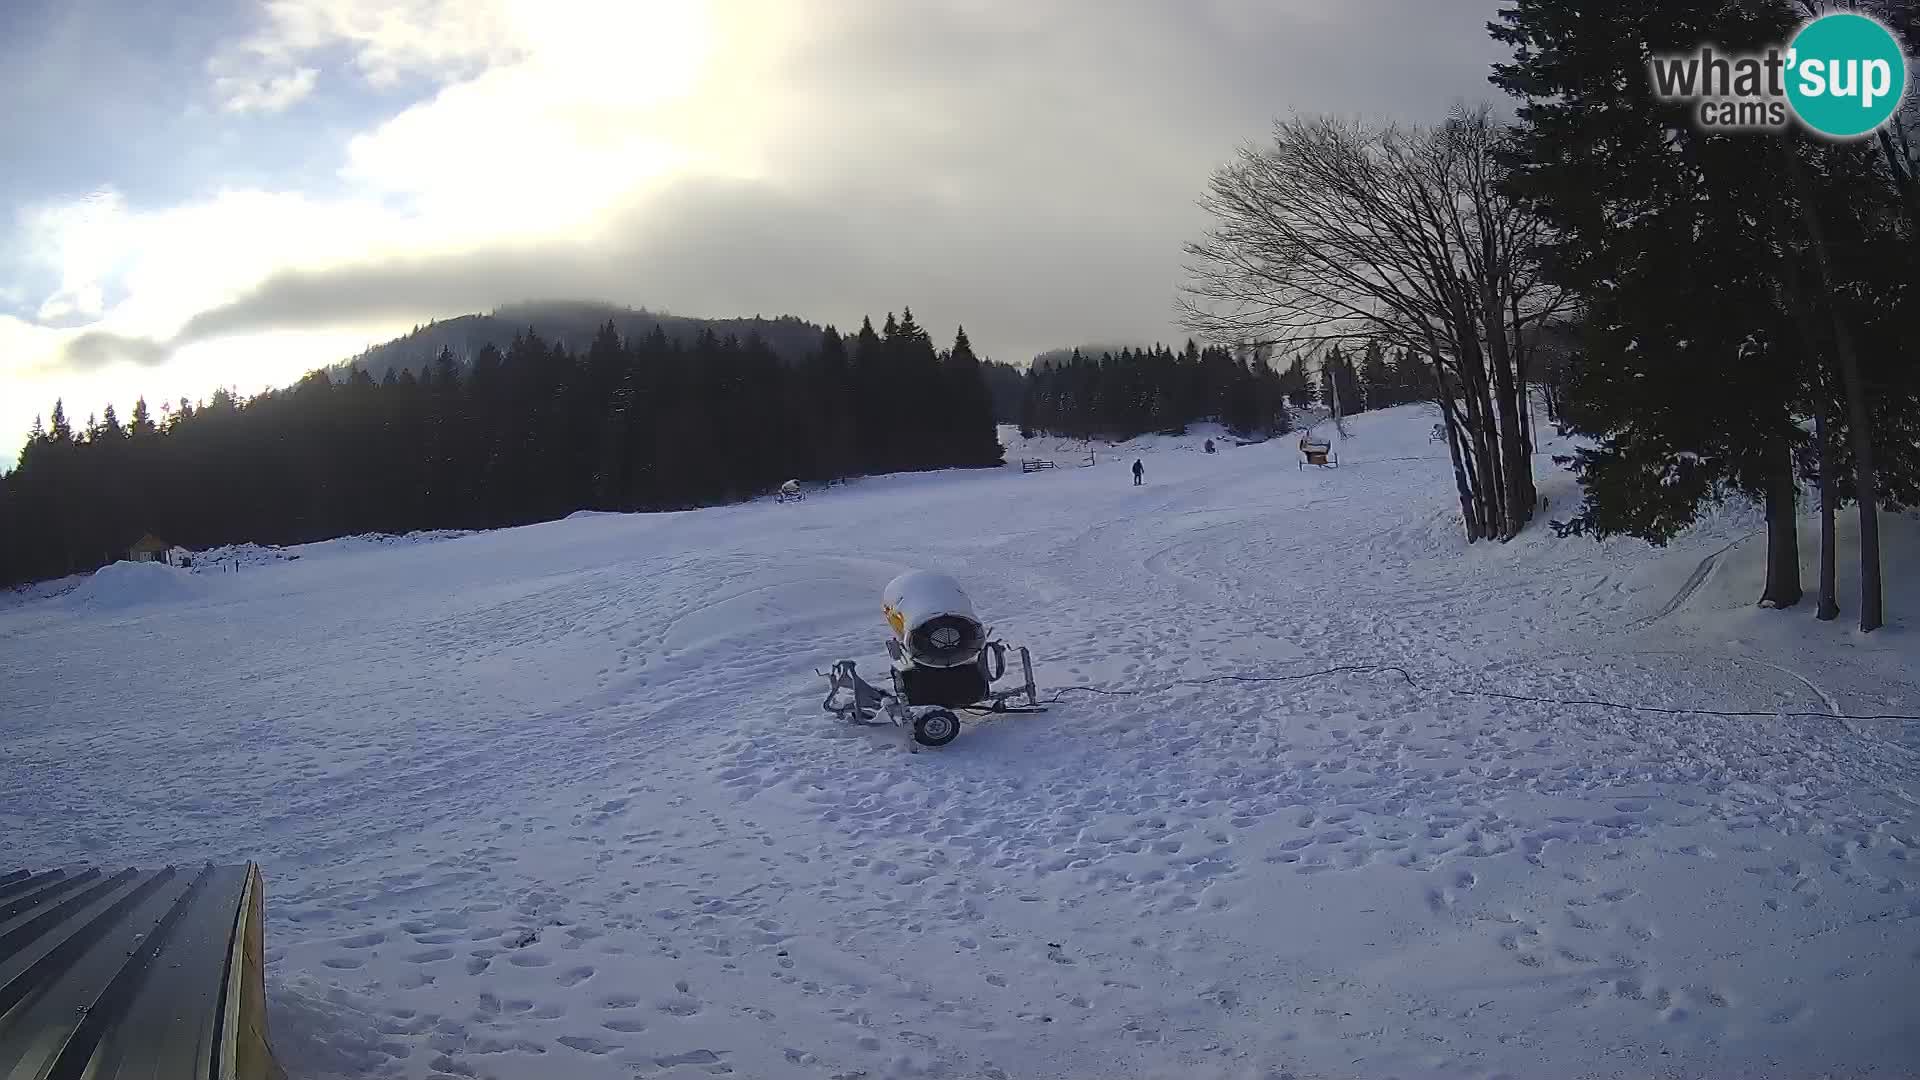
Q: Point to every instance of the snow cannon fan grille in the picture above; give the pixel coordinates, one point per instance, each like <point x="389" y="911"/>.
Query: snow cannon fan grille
<point x="946" y="641"/>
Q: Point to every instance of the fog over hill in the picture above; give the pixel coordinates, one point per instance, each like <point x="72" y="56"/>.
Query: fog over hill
<point x="571" y="323"/>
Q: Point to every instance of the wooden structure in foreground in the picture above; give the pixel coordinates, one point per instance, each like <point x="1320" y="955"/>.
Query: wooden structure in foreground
<point x="157" y="974"/>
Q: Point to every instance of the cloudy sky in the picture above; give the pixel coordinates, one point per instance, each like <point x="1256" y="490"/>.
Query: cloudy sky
<point x="231" y="192"/>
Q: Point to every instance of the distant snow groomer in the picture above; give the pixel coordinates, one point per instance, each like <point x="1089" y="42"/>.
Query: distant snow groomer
<point x="943" y="659"/>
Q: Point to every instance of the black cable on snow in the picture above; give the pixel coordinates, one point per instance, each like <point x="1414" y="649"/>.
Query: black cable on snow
<point x="1418" y="685"/>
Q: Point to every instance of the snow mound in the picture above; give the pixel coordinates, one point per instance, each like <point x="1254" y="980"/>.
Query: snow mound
<point x="36" y="591"/>
<point x="226" y="556"/>
<point x="363" y="541"/>
<point x="249" y="555"/>
<point x="130" y="584"/>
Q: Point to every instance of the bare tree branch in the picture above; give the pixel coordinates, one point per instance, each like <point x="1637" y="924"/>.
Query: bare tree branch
<point x="1340" y="231"/>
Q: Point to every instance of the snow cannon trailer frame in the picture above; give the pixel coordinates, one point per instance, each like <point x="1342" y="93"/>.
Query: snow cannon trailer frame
<point x="943" y="660"/>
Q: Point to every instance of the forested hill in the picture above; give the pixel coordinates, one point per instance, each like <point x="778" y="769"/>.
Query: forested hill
<point x="527" y="433"/>
<point x="571" y="324"/>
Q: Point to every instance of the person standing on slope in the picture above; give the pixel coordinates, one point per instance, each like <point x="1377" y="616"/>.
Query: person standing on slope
<point x="1139" y="470"/>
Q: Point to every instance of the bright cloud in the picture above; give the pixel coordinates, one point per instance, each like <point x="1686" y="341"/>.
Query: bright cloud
<point x="255" y="92"/>
<point x="84" y="243"/>
<point x="386" y="40"/>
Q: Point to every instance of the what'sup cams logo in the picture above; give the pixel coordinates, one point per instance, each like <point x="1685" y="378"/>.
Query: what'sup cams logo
<point x="1843" y="75"/>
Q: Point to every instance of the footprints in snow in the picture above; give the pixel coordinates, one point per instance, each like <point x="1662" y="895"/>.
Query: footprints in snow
<point x="1444" y="898"/>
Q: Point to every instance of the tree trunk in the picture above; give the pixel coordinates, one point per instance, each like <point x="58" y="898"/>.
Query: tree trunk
<point x="1489" y="491"/>
<point x="1829" y="606"/>
<point x="1523" y="378"/>
<point x="1859" y="415"/>
<point x="1516" y="466"/>
<point x="1866" y="479"/>
<point x="1803" y="317"/>
<point x="1481" y="465"/>
<point x="1460" y="481"/>
<point x="1783" y="537"/>
<point x="1526" y="424"/>
<point x="1492" y="464"/>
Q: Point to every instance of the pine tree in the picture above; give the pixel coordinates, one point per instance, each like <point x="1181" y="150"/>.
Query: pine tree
<point x="1685" y="381"/>
<point x="1299" y="388"/>
<point x="1340" y="384"/>
<point x="971" y="406"/>
<point x="1786" y="297"/>
<point x="1411" y="378"/>
<point x="1377" y="389"/>
<point x="872" y="388"/>
<point x="834" y="412"/>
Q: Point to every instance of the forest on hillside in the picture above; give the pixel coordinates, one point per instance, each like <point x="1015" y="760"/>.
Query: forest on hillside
<point x="522" y="434"/>
<point x="1119" y="395"/>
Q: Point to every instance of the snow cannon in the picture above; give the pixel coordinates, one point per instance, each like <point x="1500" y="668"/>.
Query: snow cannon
<point x="932" y="619"/>
<point x="943" y="657"/>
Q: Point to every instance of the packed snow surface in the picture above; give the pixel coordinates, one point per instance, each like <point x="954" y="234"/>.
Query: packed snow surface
<point x="559" y="801"/>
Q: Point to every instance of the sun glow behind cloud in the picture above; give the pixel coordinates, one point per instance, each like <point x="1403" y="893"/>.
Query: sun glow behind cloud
<point x="1026" y="169"/>
<point x="598" y="101"/>
<point x="550" y="113"/>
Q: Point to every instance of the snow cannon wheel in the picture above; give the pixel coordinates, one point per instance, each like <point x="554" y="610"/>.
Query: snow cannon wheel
<point x="936" y="727"/>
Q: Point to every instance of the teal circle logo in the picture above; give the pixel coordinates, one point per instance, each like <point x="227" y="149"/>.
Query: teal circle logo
<point x="1846" y="75"/>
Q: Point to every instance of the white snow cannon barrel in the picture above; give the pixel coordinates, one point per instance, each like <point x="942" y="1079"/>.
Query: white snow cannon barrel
<point x="932" y="619"/>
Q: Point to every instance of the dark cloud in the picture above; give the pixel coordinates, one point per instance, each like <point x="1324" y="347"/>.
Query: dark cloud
<point x="97" y="349"/>
<point x="394" y="289"/>
<point x="736" y="248"/>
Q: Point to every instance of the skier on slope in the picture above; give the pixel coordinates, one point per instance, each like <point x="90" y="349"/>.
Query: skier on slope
<point x="1139" y="470"/>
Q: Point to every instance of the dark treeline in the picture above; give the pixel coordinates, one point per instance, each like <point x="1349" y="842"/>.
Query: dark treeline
<point x="1134" y="392"/>
<point x="1007" y="385"/>
<point x="524" y="434"/>
<point x="1373" y="381"/>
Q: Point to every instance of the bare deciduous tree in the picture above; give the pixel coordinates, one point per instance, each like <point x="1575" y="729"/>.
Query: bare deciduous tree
<point x="1340" y="231"/>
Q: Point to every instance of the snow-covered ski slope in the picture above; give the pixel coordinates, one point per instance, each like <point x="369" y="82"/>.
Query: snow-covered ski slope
<point x="559" y="801"/>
